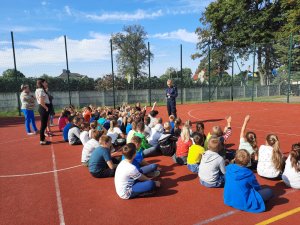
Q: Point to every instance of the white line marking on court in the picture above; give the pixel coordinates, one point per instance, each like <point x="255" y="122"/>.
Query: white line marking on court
<point x="218" y="217"/>
<point x="229" y="213"/>
<point x="57" y="190"/>
<point x="38" y="173"/>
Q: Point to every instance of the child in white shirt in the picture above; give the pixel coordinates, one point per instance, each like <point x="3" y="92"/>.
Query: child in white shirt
<point x="291" y="174"/>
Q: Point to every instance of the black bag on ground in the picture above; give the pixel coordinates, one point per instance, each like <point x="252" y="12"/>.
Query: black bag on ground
<point x="167" y="144"/>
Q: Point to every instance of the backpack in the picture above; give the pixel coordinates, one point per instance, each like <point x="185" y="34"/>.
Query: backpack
<point x="167" y="144"/>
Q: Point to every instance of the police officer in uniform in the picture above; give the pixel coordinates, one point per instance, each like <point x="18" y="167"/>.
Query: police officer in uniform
<point x="171" y="94"/>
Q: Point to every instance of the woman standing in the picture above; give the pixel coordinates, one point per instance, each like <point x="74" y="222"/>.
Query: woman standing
<point x="28" y="103"/>
<point x="42" y="98"/>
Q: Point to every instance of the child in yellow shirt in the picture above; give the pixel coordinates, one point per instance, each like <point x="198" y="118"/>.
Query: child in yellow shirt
<point x="195" y="153"/>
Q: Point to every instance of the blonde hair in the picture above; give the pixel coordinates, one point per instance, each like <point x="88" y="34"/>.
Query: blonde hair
<point x="167" y="126"/>
<point x="216" y="130"/>
<point x="214" y="143"/>
<point x="273" y="141"/>
<point x="242" y="157"/>
<point x="185" y="133"/>
<point x="295" y="156"/>
<point x="113" y="124"/>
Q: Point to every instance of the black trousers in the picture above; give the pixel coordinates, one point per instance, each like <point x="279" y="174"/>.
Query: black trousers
<point x="104" y="173"/>
<point x="44" y="121"/>
<point x="171" y="106"/>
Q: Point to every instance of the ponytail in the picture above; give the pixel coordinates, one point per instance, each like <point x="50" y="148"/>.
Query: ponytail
<point x="295" y="157"/>
<point x="251" y="139"/>
<point x="111" y="128"/>
<point x="273" y="141"/>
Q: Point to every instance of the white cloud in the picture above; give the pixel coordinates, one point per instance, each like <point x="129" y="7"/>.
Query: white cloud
<point x="68" y="10"/>
<point x="24" y="29"/>
<point x="180" y="34"/>
<point x="44" y="3"/>
<point x="123" y="16"/>
<point x="52" y="51"/>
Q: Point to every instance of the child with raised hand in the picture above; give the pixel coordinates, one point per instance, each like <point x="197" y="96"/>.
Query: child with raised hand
<point x="90" y="146"/>
<point x="183" y="144"/>
<point x="270" y="159"/>
<point x="84" y="134"/>
<point x="248" y="142"/>
<point x="291" y="174"/>
<point x="223" y="135"/>
<point x="129" y="181"/>
<point x="195" y="153"/>
<point x="212" y="165"/>
<point x="242" y="191"/>
<point x="74" y="132"/>
<point x="101" y="164"/>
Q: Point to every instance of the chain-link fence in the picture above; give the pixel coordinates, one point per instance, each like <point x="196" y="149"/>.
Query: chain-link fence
<point x="87" y="72"/>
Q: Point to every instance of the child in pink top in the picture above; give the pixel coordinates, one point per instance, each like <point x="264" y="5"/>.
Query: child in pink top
<point x="63" y="119"/>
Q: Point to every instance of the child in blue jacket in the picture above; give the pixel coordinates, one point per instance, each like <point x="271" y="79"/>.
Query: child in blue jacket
<point x="242" y="191"/>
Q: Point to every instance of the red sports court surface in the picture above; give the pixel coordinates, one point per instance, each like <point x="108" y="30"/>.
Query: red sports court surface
<point x="47" y="185"/>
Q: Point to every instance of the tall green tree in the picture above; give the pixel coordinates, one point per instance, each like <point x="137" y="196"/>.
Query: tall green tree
<point x="10" y="73"/>
<point x="233" y="26"/>
<point x="132" y="52"/>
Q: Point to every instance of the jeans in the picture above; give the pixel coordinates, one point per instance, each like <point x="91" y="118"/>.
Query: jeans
<point x="141" y="187"/>
<point x="149" y="151"/>
<point x="266" y="194"/>
<point x="219" y="183"/>
<point x="148" y="169"/>
<point x="180" y="160"/>
<point x="44" y="121"/>
<point x="104" y="173"/>
<point x="193" y="167"/>
<point x="29" y="119"/>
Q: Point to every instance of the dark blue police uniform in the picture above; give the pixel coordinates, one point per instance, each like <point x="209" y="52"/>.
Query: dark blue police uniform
<point x="171" y="94"/>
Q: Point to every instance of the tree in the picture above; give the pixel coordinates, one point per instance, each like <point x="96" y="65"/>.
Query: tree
<point x="233" y="26"/>
<point x="10" y="73"/>
<point x="132" y="55"/>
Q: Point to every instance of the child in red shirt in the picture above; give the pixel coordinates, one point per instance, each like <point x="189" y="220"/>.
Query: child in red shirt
<point x="183" y="144"/>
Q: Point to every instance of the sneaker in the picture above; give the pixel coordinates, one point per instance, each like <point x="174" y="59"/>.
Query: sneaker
<point x="45" y="142"/>
<point x="30" y="133"/>
<point x="155" y="173"/>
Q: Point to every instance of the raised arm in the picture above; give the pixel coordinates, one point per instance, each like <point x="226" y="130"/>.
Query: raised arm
<point x="153" y="107"/>
<point x="246" y="120"/>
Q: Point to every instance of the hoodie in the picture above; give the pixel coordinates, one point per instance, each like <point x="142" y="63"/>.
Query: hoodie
<point x="241" y="188"/>
<point x="212" y="164"/>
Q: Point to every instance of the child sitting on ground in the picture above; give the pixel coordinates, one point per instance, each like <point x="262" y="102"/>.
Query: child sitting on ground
<point x="172" y="122"/>
<point x="115" y="133"/>
<point x="167" y="141"/>
<point x="291" y="174"/>
<point x="143" y="166"/>
<point x="212" y="165"/>
<point x="248" y="142"/>
<point x="195" y="153"/>
<point x="242" y="191"/>
<point x="177" y="130"/>
<point x="223" y="135"/>
<point x="74" y="132"/>
<point x="93" y="126"/>
<point x="200" y="130"/>
<point x="129" y="182"/>
<point x="270" y="159"/>
<point x="84" y="135"/>
<point x="183" y="144"/>
<point x="90" y="146"/>
<point x="87" y="114"/>
<point x="101" y="164"/>
<point x="63" y="119"/>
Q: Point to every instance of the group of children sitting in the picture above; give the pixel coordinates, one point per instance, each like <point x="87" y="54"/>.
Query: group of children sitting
<point x="105" y="132"/>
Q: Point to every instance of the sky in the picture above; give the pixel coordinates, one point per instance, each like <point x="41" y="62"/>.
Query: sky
<point x="39" y="28"/>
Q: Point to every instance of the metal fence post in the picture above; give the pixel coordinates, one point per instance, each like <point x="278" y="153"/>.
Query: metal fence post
<point x="149" y="73"/>
<point x="112" y="72"/>
<point x="15" y="71"/>
<point x="68" y="71"/>
<point x="232" y="71"/>
<point x="181" y="73"/>
<point x="253" y="70"/>
<point x="209" y="84"/>
<point x="289" y="68"/>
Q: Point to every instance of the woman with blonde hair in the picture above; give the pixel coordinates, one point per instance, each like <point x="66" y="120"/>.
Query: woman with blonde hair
<point x="270" y="159"/>
<point x="183" y="144"/>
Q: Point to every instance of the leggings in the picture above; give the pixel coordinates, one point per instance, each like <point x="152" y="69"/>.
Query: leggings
<point x="29" y="119"/>
<point x="44" y="121"/>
